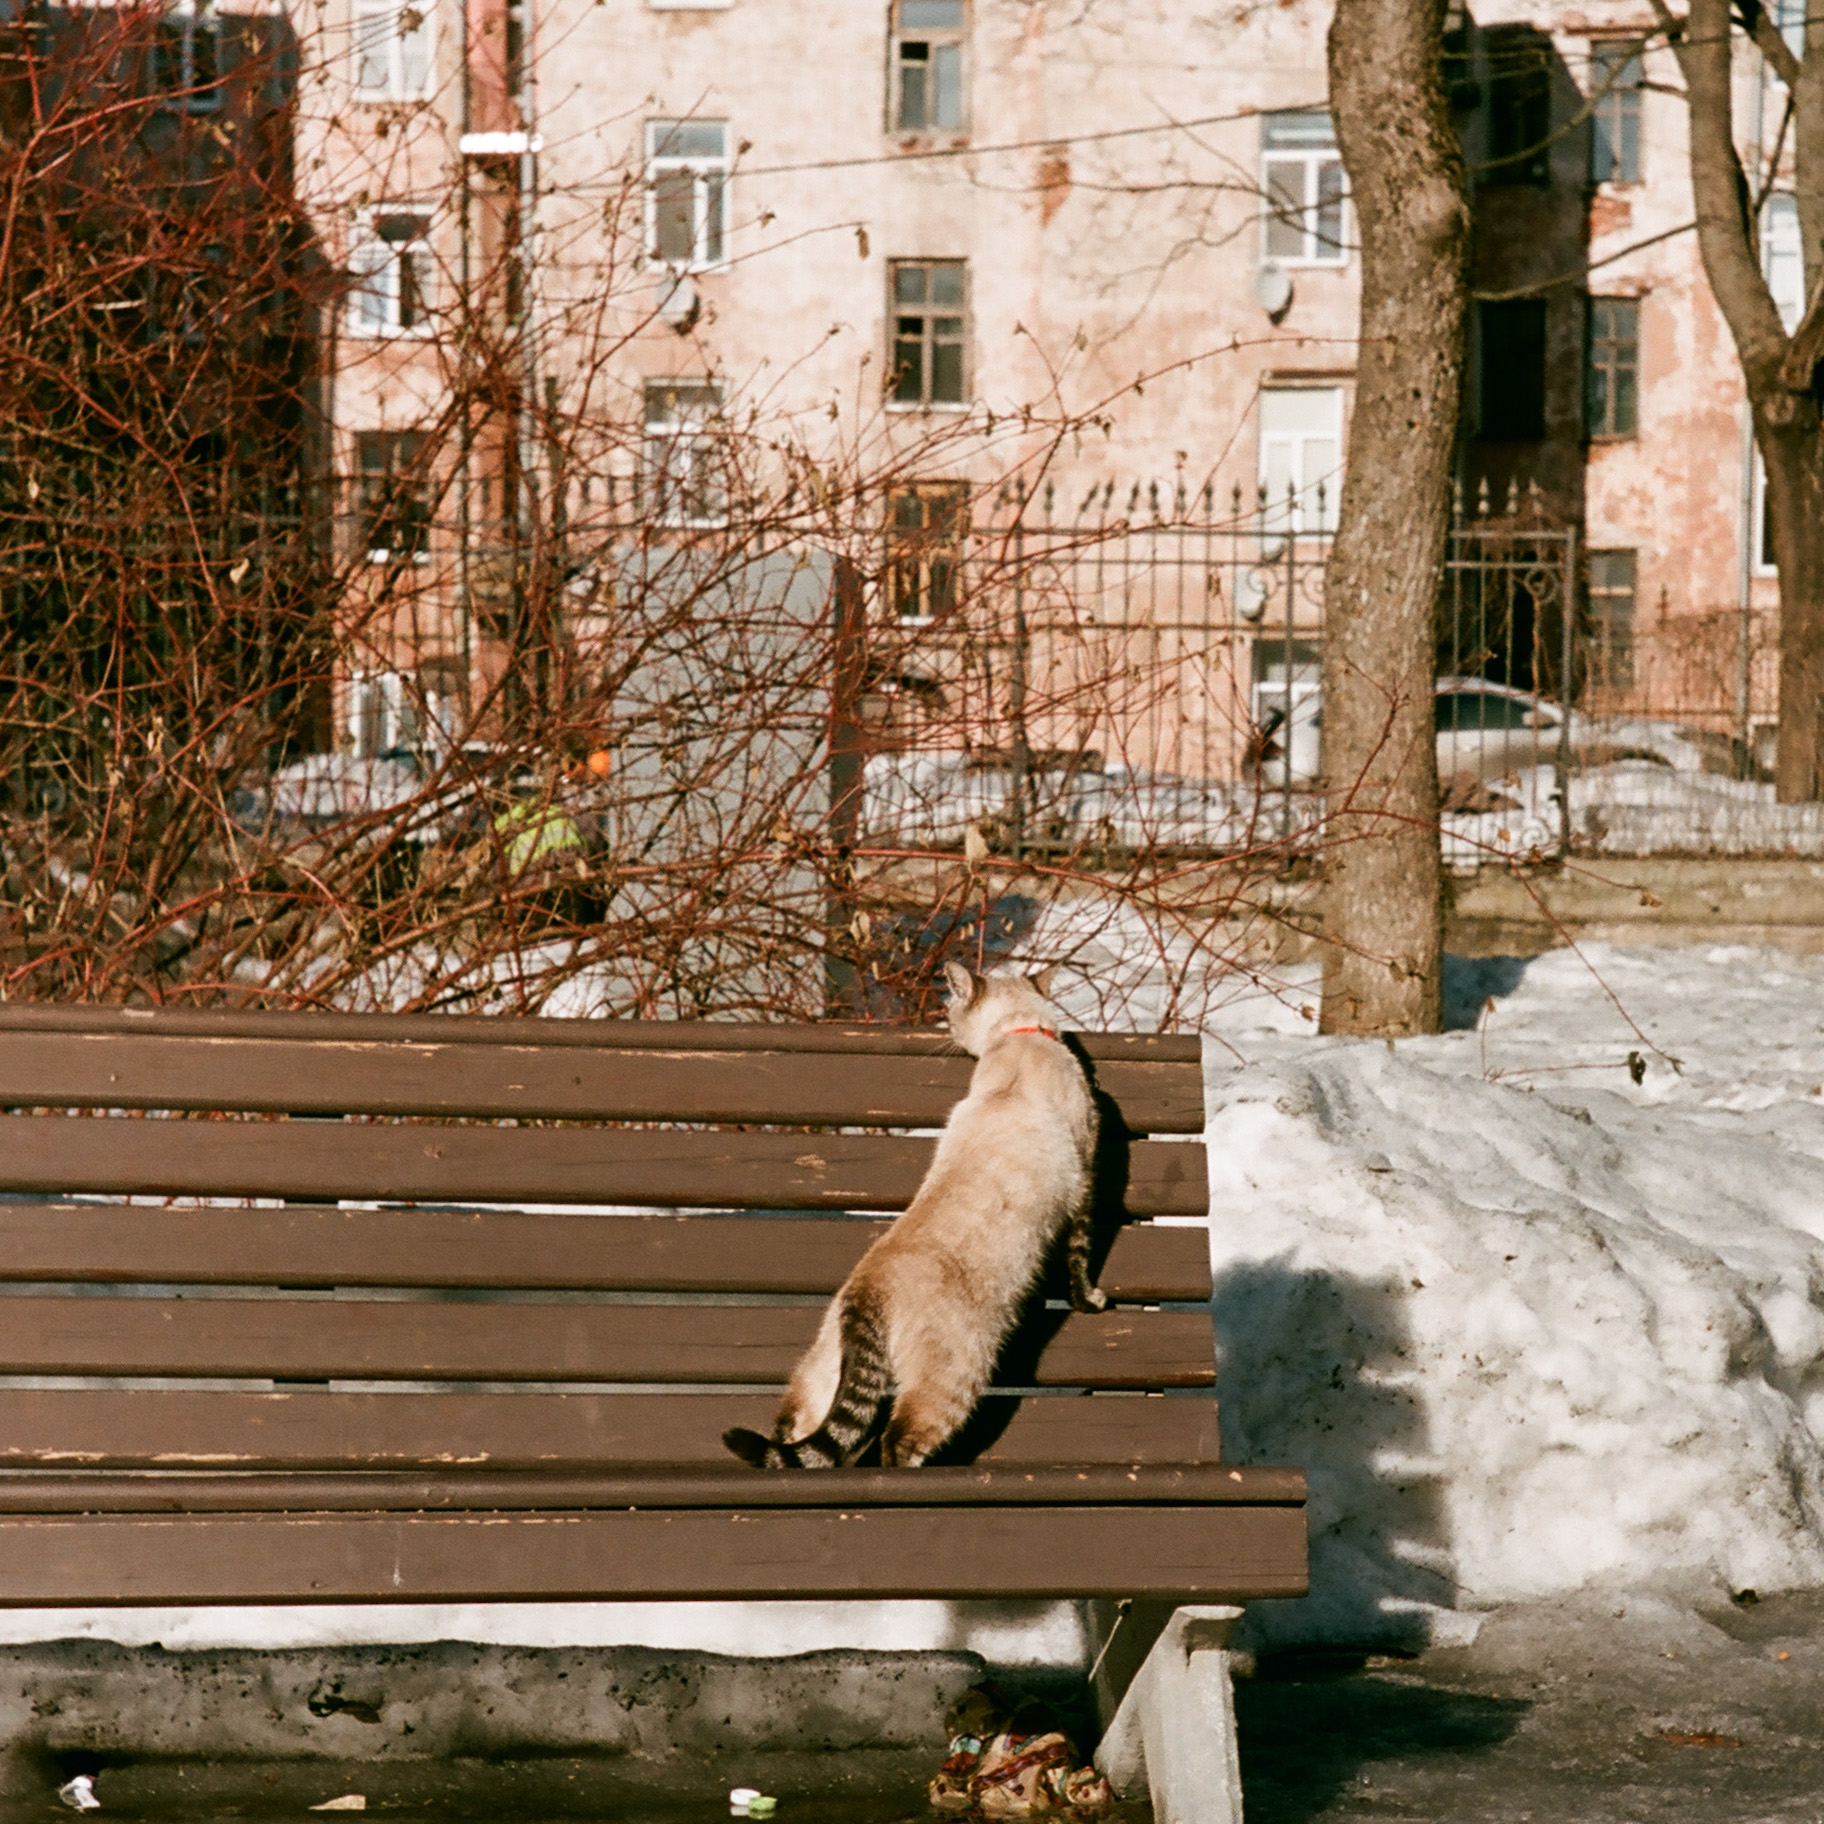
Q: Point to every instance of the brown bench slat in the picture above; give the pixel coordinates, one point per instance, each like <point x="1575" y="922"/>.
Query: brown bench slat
<point x="313" y="1245"/>
<point x="150" y="1428"/>
<point x="413" y="1162"/>
<point x="495" y="1491"/>
<point x="323" y="1339"/>
<point x="514" y="1030"/>
<point x="321" y="1076"/>
<point x="1190" y="1554"/>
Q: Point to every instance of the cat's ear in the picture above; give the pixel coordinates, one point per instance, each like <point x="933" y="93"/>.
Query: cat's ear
<point x="962" y="983"/>
<point x="1043" y="980"/>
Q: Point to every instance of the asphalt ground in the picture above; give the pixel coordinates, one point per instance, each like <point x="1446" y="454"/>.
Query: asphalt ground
<point x="1590" y="1713"/>
<point x="1598" y="1712"/>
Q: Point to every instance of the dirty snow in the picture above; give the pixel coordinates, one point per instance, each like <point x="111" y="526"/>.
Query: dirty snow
<point x="1534" y="1327"/>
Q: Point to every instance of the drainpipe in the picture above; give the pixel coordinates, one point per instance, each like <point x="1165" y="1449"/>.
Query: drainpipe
<point x="1744" y="640"/>
<point x="528" y="341"/>
<point x="465" y="459"/>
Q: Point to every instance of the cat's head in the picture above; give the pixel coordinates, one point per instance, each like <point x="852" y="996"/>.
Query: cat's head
<point x="981" y="1006"/>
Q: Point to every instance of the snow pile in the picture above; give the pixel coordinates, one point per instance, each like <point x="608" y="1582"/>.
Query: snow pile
<point x="1525" y="1340"/>
<point x="1640" y="808"/>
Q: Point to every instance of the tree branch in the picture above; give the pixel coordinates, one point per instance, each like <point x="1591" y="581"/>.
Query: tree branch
<point x="1806" y="349"/>
<point x="1758" y="23"/>
<point x="1720" y="190"/>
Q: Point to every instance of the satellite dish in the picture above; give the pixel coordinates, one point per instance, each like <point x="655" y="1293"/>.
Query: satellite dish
<point x="678" y="305"/>
<point x="1273" y="289"/>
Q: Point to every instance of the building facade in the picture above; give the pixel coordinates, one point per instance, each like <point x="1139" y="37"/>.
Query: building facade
<point x="950" y="267"/>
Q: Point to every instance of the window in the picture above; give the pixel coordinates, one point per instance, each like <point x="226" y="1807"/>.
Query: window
<point x="1612" y="378"/>
<point x="392" y="40"/>
<point x="389" y="711"/>
<point x="928" y="66"/>
<point x="395" y="496"/>
<point x="1519" y="108"/>
<point x="1511" y="370"/>
<point x="686" y="191"/>
<point x="927" y="345"/>
<point x="925" y="527"/>
<point x="1301" y="178"/>
<point x="185" y="60"/>
<point x="1612" y="619"/>
<point x="684" y="453"/>
<point x="1789" y="16"/>
<point x="1615" y="81"/>
<point x="1782" y="259"/>
<point x="1301" y="456"/>
<point x="390" y="264"/>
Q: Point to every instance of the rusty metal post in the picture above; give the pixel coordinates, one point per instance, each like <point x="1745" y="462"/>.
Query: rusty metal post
<point x="848" y="752"/>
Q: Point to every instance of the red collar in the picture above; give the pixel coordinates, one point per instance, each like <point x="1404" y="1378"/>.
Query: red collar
<point x="1043" y="1031"/>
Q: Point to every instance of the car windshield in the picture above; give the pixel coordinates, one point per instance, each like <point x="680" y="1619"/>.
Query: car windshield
<point x="1480" y="709"/>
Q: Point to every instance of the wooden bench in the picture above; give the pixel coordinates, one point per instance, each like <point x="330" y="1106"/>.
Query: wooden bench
<point x="347" y="1308"/>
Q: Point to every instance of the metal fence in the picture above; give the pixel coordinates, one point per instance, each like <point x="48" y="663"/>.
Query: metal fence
<point x="1154" y="657"/>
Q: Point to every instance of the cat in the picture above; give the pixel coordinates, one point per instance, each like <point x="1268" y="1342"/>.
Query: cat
<point x="925" y="1312"/>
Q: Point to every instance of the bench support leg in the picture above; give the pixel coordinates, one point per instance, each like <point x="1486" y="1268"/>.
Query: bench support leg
<point x="1174" y="1723"/>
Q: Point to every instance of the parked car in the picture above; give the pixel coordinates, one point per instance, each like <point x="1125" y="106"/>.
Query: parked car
<point x="1487" y="730"/>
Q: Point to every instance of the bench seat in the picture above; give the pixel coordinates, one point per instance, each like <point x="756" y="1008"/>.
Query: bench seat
<point x="309" y="1308"/>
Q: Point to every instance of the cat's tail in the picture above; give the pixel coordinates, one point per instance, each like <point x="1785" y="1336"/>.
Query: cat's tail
<point x="867" y="1378"/>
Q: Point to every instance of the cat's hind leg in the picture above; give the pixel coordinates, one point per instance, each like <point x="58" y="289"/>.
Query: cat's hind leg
<point x="940" y="1369"/>
<point x="921" y="1422"/>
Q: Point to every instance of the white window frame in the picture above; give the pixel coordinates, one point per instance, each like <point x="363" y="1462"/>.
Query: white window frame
<point x="681" y="450"/>
<point x="380" y="713"/>
<point x="1304" y="155"/>
<point x="377" y="23"/>
<point x="709" y="196"/>
<point x="1302" y="464"/>
<point x="398" y="711"/>
<point x="1782" y="257"/>
<point x="375" y="265"/>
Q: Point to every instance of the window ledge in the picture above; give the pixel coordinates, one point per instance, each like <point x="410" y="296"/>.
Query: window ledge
<point x="908" y="406"/>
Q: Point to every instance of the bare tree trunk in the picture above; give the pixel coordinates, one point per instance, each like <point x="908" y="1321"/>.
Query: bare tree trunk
<point x="1383" y="911"/>
<point x="1794" y="458"/>
<point x="1779" y="371"/>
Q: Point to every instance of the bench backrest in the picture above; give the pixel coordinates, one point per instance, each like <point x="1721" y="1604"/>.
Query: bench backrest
<point x="346" y="1243"/>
